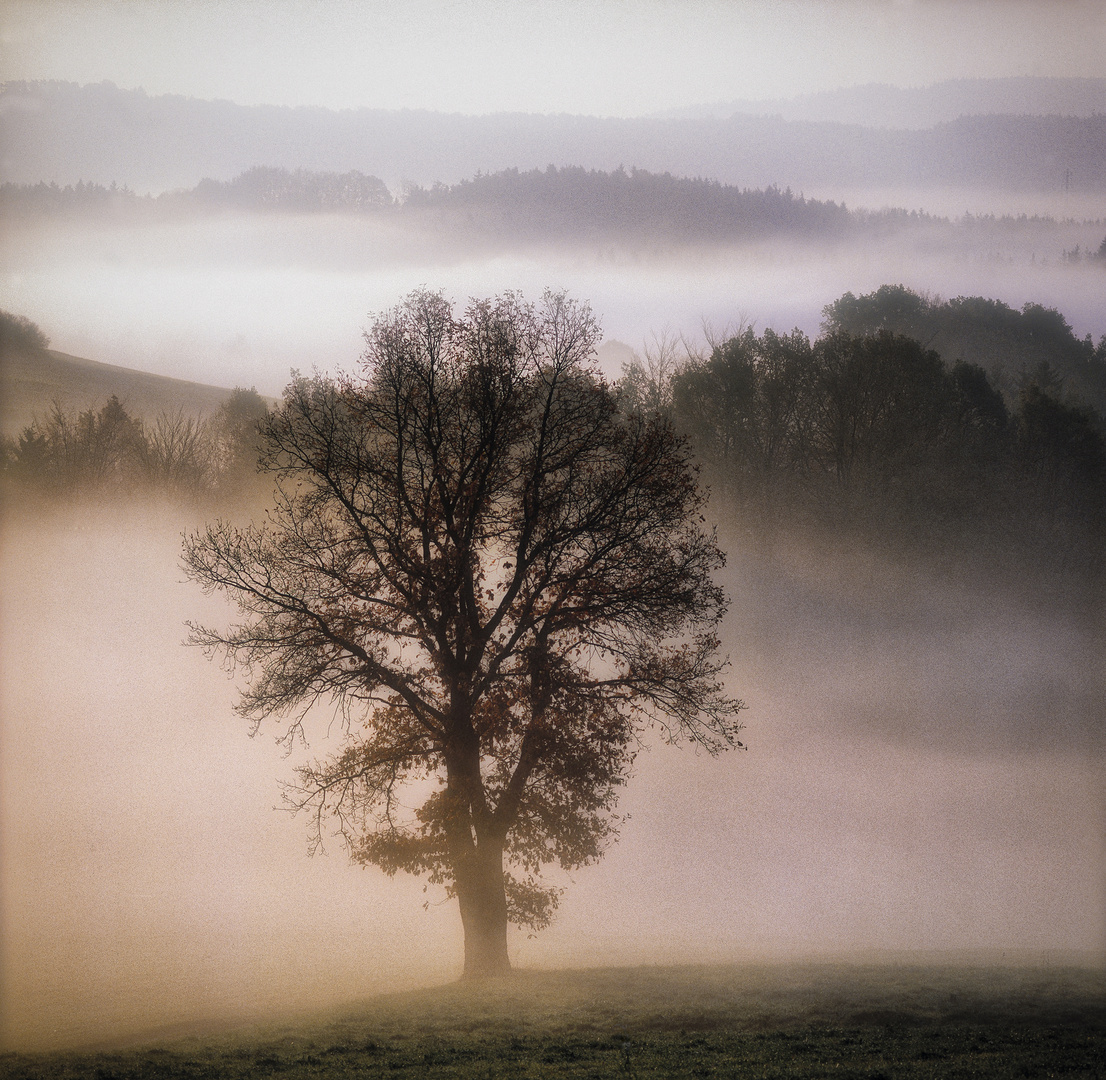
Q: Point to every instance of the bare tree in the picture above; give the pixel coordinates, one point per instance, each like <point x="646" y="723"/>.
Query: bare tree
<point x="646" y="385"/>
<point x="500" y="577"/>
<point x="179" y="456"/>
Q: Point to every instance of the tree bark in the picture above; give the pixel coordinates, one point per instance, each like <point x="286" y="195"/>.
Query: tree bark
<point x="483" y="903"/>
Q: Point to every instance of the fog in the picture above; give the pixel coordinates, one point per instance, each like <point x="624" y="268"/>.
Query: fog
<point x="492" y="55"/>
<point x="924" y="770"/>
<point x="924" y="766"/>
<point x="924" y="774"/>
<point x="243" y="299"/>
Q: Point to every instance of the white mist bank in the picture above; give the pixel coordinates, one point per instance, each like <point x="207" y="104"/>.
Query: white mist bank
<point x="149" y="881"/>
<point x="243" y="299"/>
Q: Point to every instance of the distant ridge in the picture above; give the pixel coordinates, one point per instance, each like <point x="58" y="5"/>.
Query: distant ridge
<point x="63" y="133"/>
<point x="881" y="105"/>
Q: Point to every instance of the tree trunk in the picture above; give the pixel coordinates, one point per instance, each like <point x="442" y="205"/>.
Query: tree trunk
<point x="483" y="903"/>
<point x="476" y="849"/>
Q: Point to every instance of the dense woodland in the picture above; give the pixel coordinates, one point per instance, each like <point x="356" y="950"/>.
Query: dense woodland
<point x="569" y="204"/>
<point x="955" y="427"/>
<point x="985" y="445"/>
<point x="1035" y="342"/>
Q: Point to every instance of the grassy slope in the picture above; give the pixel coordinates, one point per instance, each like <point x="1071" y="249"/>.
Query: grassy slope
<point x="30" y="383"/>
<point x="764" y="1021"/>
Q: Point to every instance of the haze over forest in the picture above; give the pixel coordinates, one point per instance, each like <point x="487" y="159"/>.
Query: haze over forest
<point x="917" y="633"/>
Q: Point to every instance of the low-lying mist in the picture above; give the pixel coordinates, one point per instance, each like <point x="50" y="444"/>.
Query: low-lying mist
<point x="241" y="299"/>
<point x="924" y="773"/>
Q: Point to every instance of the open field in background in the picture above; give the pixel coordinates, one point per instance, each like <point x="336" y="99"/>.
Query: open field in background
<point x="793" y="1020"/>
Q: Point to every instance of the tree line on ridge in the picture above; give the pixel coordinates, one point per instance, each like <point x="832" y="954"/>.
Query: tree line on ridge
<point x="553" y="202"/>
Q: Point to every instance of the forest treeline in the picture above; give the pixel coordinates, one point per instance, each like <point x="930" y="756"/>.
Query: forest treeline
<point x="260" y="189"/>
<point x="870" y="430"/>
<point x="543" y="203"/>
<point x="949" y="426"/>
<point x="553" y="204"/>
<point x="575" y="203"/>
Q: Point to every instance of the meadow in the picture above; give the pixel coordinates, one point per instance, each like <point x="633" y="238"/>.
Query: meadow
<point x="792" y="1020"/>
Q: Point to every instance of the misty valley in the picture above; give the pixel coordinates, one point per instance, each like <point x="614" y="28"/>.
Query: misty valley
<point x="279" y="272"/>
<point x="915" y="628"/>
<point x="576" y="619"/>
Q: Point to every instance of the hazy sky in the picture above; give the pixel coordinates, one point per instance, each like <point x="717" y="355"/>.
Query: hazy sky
<point x="606" y="57"/>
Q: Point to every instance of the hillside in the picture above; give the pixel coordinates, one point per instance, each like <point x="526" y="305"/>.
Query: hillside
<point x="30" y="383"/>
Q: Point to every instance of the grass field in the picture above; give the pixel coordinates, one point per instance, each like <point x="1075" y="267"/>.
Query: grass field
<point x="800" y="1020"/>
<point x="29" y="385"/>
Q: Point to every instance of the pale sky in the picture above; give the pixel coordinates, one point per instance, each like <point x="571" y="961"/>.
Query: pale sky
<point x="600" y="57"/>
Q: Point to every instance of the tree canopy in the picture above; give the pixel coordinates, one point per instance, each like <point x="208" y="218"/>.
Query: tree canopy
<point x="1035" y="344"/>
<point x="878" y="434"/>
<point x="499" y="576"/>
<point x="19" y="334"/>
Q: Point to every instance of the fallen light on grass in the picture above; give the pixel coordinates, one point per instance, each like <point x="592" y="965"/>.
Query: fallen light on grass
<point x="791" y="1020"/>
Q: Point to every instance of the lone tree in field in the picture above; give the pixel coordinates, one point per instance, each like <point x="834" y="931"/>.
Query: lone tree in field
<point x="501" y="579"/>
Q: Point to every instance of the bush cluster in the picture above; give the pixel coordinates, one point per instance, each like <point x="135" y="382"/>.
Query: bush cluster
<point x="19" y="335"/>
<point x="107" y="450"/>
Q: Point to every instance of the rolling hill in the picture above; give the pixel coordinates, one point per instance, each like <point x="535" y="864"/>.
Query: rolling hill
<point x="30" y="383"/>
<point x="880" y="105"/>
